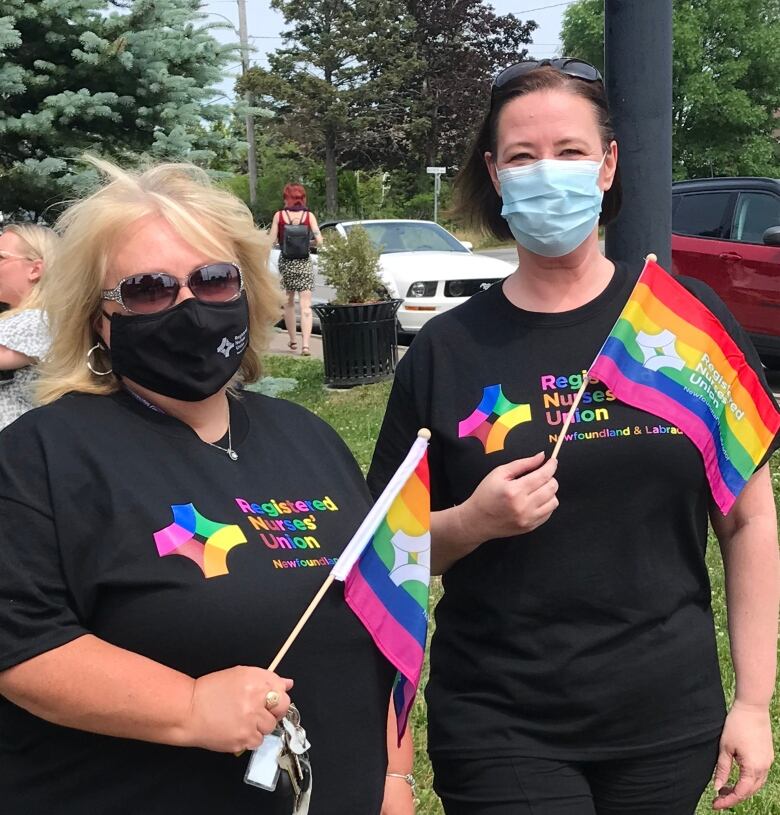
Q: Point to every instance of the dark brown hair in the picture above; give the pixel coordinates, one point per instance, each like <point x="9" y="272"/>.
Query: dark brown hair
<point x="476" y="201"/>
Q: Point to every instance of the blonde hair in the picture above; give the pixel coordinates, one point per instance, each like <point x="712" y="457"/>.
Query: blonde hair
<point x="208" y="218"/>
<point x="40" y="243"/>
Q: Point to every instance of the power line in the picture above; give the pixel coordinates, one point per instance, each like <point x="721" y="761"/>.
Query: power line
<point x="541" y="8"/>
<point x="521" y="11"/>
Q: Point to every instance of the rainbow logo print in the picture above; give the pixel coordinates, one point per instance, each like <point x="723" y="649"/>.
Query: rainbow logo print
<point x="670" y="355"/>
<point x="204" y="542"/>
<point x="494" y="417"/>
<point x="388" y="587"/>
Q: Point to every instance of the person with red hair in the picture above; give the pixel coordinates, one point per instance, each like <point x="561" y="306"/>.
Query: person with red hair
<point x="292" y="228"/>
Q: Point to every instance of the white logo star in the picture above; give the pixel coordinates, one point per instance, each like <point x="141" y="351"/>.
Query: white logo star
<point x="659" y="350"/>
<point x="412" y="558"/>
<point x="225" y="347"/>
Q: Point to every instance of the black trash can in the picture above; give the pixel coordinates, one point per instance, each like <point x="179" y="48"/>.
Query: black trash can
<point x="359" y="342"/>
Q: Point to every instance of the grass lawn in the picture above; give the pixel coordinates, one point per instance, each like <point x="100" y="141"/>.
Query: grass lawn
<point x="357" y="416"/>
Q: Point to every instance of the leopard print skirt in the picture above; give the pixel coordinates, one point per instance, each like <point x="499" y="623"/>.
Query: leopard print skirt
<point x="296" y="275"/>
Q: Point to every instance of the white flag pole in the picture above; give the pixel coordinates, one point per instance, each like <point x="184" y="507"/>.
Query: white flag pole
<point x="371" y="522"/>
<point x="651" y="258"/>
<point x="362" y="536"/>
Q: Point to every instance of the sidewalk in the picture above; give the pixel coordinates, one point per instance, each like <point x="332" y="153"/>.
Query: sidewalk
<point x="279" y="340"/>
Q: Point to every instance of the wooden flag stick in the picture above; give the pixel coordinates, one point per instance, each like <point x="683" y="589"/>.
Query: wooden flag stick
<point x="300" y="624"/>
<point x="360" y="539"/>
<point x="570" y="416"/>
<point x="297" y="630"/>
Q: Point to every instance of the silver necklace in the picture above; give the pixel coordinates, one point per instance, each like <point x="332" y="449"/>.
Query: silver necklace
<point x="232" y="454"/>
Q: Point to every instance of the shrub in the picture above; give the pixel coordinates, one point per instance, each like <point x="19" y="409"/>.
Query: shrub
<point x="351" y="266"/>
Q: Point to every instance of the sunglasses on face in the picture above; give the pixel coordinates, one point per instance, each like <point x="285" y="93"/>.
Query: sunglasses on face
<point x="157" y="291"/>
<point x="577" y="68"/>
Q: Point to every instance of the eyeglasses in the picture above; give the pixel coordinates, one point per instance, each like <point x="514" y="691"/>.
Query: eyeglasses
<point x="577" y="68"/>
<point x="157" y="291"/>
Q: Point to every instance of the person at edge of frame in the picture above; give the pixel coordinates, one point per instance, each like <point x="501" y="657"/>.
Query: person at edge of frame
<point x="574" y="666"/>
<point x="26" y="251"/>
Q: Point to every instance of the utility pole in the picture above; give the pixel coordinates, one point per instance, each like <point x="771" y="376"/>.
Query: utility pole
<point x="250" y="119"/>
<point x="638" y="68"/>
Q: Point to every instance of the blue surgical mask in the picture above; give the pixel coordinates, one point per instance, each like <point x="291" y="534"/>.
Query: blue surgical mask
<point x="551" y="206"/>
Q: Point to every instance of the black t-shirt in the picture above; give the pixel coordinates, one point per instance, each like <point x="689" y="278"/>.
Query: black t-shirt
<point x="592" y="636"/>
<point x="87" y="486"/>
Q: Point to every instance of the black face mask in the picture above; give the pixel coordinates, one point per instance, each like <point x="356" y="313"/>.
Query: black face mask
<point x="187" y="352"/>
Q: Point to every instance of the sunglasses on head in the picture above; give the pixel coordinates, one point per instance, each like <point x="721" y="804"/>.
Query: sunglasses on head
<point x="157" y="291"/>
<point x="577" y="68"/>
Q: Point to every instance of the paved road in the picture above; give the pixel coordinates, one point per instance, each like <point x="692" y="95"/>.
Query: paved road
<point x="507" y="253"/>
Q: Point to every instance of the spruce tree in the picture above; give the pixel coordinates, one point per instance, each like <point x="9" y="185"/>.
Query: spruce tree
<point x="124" y="80"/>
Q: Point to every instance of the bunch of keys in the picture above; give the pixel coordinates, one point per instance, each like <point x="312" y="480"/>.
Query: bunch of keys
<point x="283" y="757"/>
<point x="294" y="761"/>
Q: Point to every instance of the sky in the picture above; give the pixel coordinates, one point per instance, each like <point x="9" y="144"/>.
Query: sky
<point x="264" y="25"/>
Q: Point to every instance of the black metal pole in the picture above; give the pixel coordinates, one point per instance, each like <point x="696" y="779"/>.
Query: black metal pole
<point x="638" y="75"/>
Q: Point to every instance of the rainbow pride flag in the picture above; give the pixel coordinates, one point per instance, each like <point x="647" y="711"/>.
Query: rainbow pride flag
<point x="670" y="355"/>
<point x="387" y="585"/>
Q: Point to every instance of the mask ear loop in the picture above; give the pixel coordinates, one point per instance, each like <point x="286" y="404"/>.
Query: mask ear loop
<point x="603" y="161"/>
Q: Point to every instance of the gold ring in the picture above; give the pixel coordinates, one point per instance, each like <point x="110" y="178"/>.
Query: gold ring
<point x="271" y="699"/>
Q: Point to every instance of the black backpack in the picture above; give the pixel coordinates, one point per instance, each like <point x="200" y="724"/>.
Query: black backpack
<point x="295" y="243"/>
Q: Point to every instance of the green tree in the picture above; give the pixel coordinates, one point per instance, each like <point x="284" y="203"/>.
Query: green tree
<point x="392" y="85"/>
<point x="119" y="79"/>
<point x="582" y="31"/>
<point x="725" y="81"/>
<point x="279" y="162"/>
<point x="459" y="47"/>
<point x="328" y="79"/>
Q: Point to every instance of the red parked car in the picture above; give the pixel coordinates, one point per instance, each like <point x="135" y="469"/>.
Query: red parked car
<point x="726" y="232"/>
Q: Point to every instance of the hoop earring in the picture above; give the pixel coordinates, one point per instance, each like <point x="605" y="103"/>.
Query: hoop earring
<point x="94" y="348"/>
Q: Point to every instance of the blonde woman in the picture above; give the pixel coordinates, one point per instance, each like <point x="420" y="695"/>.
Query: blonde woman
<point x="24" y="338"/>
<point x="161" y="534"/>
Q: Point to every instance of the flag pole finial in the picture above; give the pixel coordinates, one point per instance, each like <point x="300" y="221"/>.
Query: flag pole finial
<point x="424" y="433"/>
<point x="652" y="257"/>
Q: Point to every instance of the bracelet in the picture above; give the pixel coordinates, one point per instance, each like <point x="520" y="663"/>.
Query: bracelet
<point x="408" y="777"/>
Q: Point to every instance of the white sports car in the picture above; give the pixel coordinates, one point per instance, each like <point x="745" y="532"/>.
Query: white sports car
<point x="422" y="264"/>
